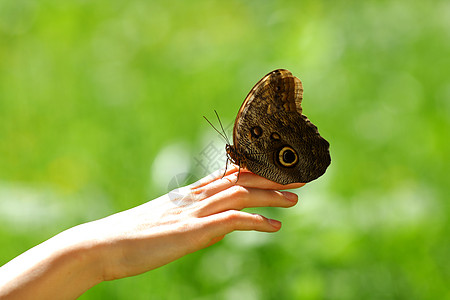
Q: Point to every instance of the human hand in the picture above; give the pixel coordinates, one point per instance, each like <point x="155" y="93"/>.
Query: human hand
<point x="145" y="237"/>
<point x="185" y="220"/>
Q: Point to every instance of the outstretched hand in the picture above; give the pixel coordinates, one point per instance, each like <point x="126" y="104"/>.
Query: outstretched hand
<point x="144" y="237"/>
<point x="188" y="219"/>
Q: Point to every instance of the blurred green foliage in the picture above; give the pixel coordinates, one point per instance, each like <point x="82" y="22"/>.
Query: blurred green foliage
<point x="92" y="92"/>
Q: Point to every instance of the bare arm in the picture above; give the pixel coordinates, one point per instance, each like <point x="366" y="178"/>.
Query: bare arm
<point x="143" y="238"/>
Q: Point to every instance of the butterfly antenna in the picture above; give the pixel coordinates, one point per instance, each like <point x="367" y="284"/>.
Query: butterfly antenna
<point x="221" y="134"/>
<point x="224" y="132"/>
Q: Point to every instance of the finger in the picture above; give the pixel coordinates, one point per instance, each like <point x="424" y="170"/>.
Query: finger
<point x="249" y="179"/>
<point x="216" y="175"/>
<point x="244" y="178"/>
<point x="213" y="184"/>
<point x="231" y="220"/>
<point x="216" y="186"/>
<point x="238" y="197"/>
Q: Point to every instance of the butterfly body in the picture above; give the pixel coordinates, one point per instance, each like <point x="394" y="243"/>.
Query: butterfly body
<point x="271" y="136"/>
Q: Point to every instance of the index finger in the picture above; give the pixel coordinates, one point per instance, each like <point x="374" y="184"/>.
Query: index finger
<point x="249" y="179"/>
<point x="243" y="178"/>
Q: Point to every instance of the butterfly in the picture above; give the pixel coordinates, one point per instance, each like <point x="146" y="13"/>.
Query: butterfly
<point x="271" y="136"/>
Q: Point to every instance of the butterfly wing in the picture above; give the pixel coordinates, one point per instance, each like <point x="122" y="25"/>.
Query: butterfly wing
<point x="279" y="90"/>
<point x="272" y="138"/>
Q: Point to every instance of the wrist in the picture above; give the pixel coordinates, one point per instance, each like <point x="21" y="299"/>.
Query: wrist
<point x="83" y="252"/>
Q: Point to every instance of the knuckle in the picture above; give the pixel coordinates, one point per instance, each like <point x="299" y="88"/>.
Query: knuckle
<point x="238" y="219"/>
<point x="231" y="178"/>
<point x="238" y="191"/>
<point x="258" y="219"/>
<point x="232" y="216"/>
<point x="234" y="219"/>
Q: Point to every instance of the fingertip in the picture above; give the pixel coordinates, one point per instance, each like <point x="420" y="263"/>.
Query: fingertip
<point x="275" y="224"/>
<point x="294" y="185"/>
<point x="292" y="197"/>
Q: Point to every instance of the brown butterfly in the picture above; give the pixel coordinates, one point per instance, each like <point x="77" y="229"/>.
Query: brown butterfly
<point x="271" y="136"/>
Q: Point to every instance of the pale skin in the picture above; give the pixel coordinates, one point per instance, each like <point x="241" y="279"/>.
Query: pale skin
<point x="145" y="237"/>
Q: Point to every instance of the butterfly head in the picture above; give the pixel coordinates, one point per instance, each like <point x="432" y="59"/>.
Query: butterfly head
<point x="231" y="154"/>
<point x="234" y="156"/>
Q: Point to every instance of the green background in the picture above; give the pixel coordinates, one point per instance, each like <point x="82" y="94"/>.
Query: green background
<point x="101" y="106"/>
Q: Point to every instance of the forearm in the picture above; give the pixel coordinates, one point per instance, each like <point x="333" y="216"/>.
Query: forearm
<point x="62" y="267"/>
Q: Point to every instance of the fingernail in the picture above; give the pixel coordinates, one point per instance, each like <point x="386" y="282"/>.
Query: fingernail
<point x="274" y="223"/>
<point x="290" y="196"/>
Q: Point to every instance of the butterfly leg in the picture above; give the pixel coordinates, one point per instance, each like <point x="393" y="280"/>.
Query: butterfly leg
<point x="239" y="172"/>
<point x="226" y="165"/>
